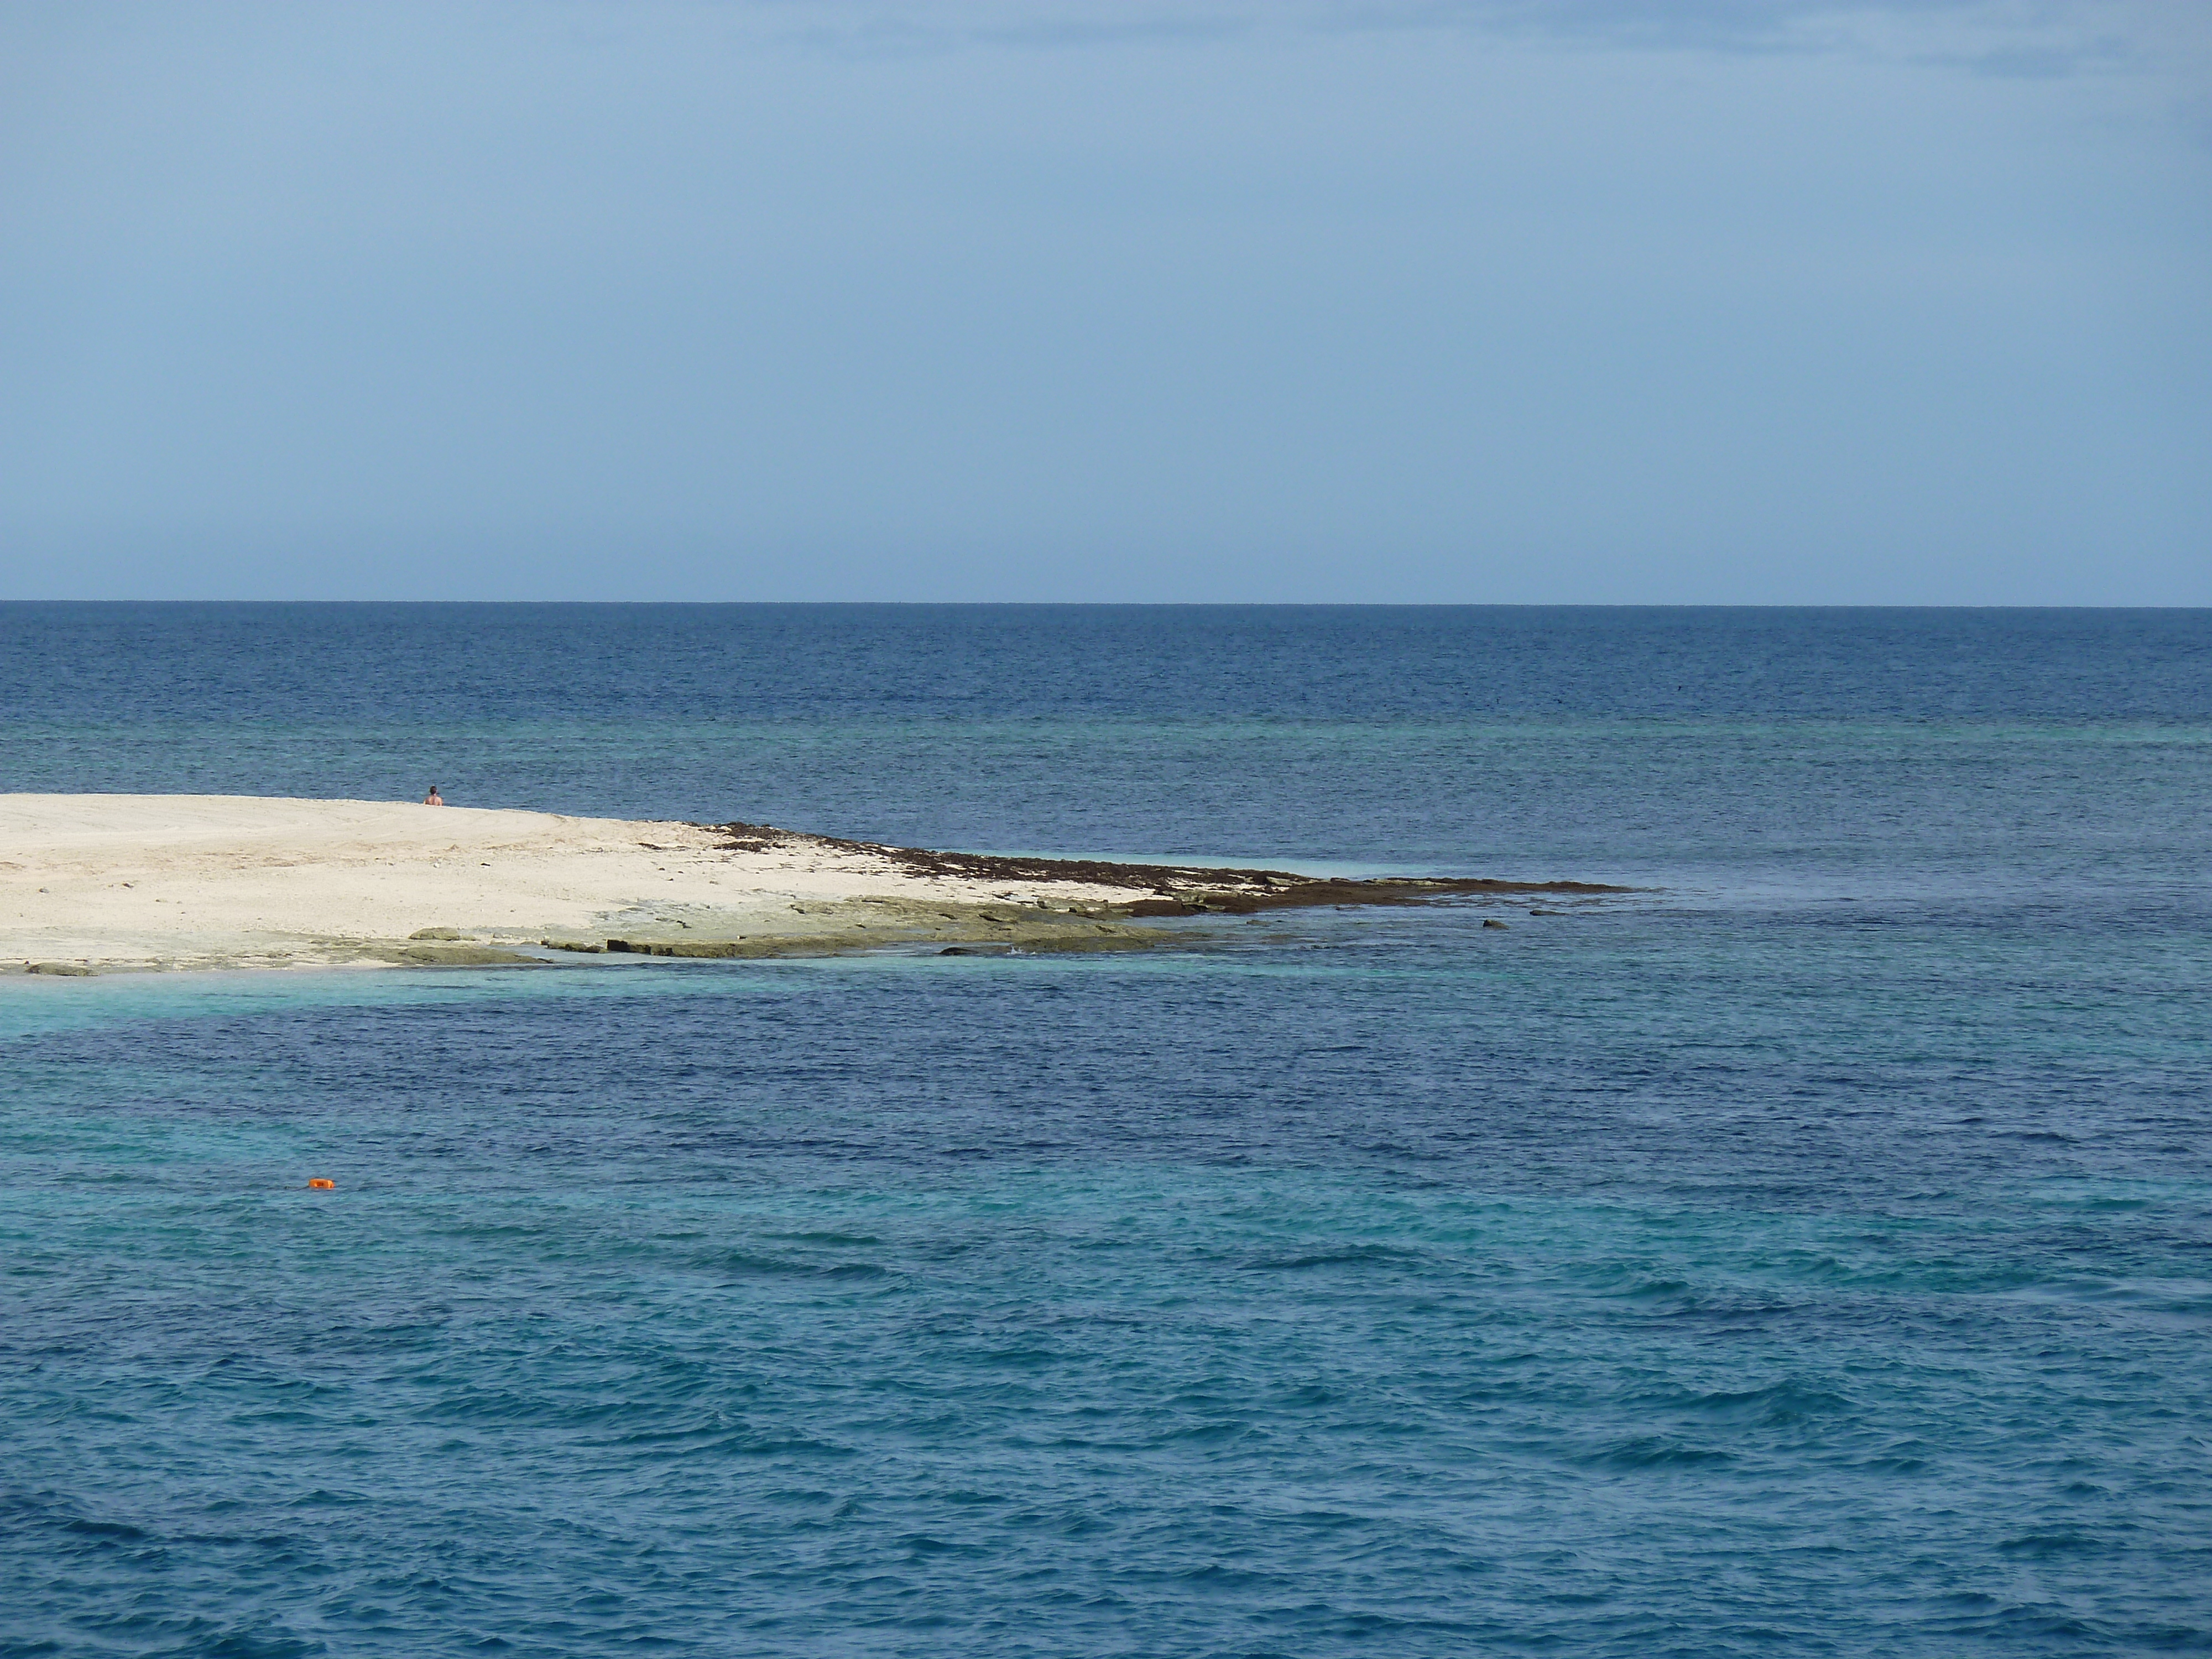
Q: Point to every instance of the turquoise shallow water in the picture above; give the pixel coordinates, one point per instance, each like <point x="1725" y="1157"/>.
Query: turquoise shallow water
<point x="1816" y="1256"/>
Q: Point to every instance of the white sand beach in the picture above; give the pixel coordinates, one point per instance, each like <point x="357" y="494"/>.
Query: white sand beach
<point x="103" y="882"/>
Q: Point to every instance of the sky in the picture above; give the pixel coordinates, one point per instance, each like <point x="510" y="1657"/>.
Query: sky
<point x="1591" y="302"/>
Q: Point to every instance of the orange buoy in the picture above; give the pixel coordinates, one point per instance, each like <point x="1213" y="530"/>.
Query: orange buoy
<point x="324" y="1184"/>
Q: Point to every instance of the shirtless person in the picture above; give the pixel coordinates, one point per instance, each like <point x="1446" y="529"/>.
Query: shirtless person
<point x="434" y="799"/>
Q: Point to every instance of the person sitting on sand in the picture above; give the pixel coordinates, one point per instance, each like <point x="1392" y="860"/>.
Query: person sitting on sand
<point x="434" y="799"/>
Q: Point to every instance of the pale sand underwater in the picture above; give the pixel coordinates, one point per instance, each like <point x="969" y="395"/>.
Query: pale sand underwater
<point x="90" y="883"/>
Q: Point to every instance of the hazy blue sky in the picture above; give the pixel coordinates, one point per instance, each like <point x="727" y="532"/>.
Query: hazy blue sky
<point x="1638" y="300"/>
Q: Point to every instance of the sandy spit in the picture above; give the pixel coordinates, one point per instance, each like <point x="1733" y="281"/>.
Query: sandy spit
<point x="105" y="882"/>
<point x="100" y="883"/>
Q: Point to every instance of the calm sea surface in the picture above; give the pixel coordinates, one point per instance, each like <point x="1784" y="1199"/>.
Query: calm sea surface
<point x="1813" y="1255"/>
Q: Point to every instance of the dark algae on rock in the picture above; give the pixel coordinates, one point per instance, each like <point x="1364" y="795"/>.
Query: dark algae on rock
<point x="1176" y="890"/>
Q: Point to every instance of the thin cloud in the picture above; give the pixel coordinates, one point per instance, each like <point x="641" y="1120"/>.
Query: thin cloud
<point x="2013" y="38"/>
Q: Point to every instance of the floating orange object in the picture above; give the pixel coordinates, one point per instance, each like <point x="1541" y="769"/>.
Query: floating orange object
<point x="324" y="1184"/>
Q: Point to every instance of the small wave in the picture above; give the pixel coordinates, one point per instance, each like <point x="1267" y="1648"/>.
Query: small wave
<point x="251" y="1645"/>
<point x="2023" y="1621"/>
<point x="2041" y="1545"/>
<point x="1653" y="1451"/>
<point x="119" y="1531"/>
<point x="324" y="1498"/>
<point x="1774" y="1405"/>
<point x="1354" y="1256"/>
<point x="788" y="1446"/>
<point x="1647" y="1287"/>
<point x="748" y="1264"/>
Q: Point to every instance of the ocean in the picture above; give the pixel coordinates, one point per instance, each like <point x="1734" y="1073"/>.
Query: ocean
<point x="1810" y="1253"/>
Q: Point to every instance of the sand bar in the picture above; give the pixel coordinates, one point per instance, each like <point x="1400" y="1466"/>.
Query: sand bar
<point x="102" y="883"/>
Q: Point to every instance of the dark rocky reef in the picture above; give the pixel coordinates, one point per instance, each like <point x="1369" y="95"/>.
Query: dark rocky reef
<point x="1176" y="890"/>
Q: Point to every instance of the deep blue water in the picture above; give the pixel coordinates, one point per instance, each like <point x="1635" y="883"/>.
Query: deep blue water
<point x="1813" y="1257"/>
